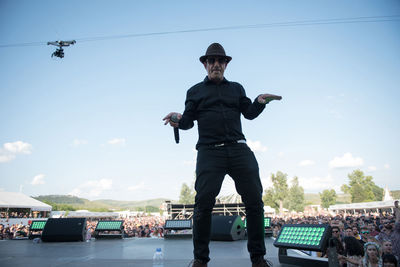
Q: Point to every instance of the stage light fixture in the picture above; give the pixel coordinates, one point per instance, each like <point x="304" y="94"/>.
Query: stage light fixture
<point x="109" y="229"/>
<point x="267" y="222"/>
<point x="173" y="229"/>
<point x="36" y="229"/>
<point x="303" y="236"/>
<point x="178" y="224"/>
<point x="37" y="225"/>
<point x="109" y="226"/>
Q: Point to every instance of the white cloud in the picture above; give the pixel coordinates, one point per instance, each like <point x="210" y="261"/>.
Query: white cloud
<point x="386" y="166"/>
<point x="9" y="150"/>
<point x="306" y="162"/>
<point x="92" y="188"/>
<point x="256" y="146"/>
<point x="18" y="147"/>
<point x="371" y="169"/>
<point x="38" y="179"/>
<point x="117" y="141"/>
<point x="346" y="161"/>
<point x="78" y="142"/>
<point x="136" y="187"/>
<point x="318" y="184"/>
<point x="5" y="157"/>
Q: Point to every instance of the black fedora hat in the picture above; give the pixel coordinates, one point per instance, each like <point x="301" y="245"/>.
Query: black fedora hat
<point x="215" y="49"/>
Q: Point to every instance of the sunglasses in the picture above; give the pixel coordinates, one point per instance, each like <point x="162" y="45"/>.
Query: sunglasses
<point x="335" y="231"/>
<point x="221" y="60"/>
<point x="365" y="232"/>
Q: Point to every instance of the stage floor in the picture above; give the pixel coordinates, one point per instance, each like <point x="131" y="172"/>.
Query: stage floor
<point x="125" y="252"/>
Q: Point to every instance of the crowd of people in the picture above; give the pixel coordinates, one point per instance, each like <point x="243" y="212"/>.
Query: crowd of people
<point x="139" y="226"/>
<point x="15" y="214"/>
<point x="14" y="231"/>
<point x="361" y="240"/>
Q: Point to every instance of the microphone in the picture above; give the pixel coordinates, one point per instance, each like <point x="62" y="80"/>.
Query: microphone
<point x="174" y="118"/>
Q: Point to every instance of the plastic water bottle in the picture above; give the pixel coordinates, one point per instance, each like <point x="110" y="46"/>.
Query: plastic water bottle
<point x="158" y="258"/>
<point x="88" y="236"/>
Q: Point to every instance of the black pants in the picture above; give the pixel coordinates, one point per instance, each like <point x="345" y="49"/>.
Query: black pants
<point x="239" y="162"/>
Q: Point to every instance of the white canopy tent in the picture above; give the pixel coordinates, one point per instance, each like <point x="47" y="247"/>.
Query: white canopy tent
<point x="11" y="200"/>
<point x="365" y="206"/>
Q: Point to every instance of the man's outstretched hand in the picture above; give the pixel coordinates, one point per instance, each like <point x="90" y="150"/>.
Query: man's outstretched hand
<point x="266" y="98"/>
<point x="167" y="119"/>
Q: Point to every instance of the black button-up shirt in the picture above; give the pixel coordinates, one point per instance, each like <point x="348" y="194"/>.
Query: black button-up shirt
<point x="217" y="109"/>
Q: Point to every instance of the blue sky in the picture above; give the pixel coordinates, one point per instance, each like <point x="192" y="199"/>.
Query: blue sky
<point x="90" y="124"/>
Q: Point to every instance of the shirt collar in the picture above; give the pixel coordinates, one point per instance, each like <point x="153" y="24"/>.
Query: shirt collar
<point x="206" y="80"/>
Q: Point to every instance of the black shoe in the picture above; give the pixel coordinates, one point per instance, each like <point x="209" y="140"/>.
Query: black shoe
<point x="262" y="263"/>
<point x="197" y="263"/>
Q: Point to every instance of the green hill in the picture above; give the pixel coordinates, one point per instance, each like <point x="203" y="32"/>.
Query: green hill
<point x="395" y="194"/>
<point x="67" y="202"/>
<point x="314" y="199"/>
<point x="132" y="205"/>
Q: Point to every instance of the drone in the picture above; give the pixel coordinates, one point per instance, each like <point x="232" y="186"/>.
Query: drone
<point x="60" y="51"/>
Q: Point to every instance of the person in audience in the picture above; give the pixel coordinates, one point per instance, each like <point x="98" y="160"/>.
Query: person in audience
<point x="353" y="252"/>
<point x="372" y="257"/>
<point x="396" y="240"/>
<point x="396" y="211"/>
<point x="389" y="260"/>
<point x="349" y="231"/>
<point x="387" y="247"/>
<point x="386" y="232"/>
<point x="337" y="240"/>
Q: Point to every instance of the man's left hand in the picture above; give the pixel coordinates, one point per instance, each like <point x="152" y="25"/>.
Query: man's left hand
<point x="266" y="98"/>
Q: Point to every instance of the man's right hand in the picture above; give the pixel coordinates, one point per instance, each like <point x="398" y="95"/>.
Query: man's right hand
<point x="167" y="119"/>
<point x="266" y="98"/>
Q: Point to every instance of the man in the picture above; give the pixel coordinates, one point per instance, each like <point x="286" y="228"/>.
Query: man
<point x="396" y="211"/>
<point x="386" y="232"/>
<point x="372" y="229"/>
<point x="337" y="240"/>
<point x="217" y="104"/>
<point x="349" y="231"/>
<point x="366" y="235"/>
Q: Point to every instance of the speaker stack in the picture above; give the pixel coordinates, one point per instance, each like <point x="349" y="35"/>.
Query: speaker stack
<point x="227" y="228"/>
<point x="64" y="229"/>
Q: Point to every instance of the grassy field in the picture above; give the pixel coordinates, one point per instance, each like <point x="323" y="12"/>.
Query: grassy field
<point x="154" y="204"/>
<point x="102" y="205"/>
<point x="314" y="199"/>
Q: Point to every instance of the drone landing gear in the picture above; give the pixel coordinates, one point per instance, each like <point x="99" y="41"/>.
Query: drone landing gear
<point x="58" y="53"/>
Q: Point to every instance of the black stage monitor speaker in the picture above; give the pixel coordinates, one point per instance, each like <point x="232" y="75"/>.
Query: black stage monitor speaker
<point x="64" y="229"/>
<point x="227" y="228"/>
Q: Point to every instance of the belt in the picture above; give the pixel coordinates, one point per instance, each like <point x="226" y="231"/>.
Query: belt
<point x="230" y="143"/>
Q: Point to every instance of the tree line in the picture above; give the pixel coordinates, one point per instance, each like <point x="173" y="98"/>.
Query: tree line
<point x="281" y="195"/>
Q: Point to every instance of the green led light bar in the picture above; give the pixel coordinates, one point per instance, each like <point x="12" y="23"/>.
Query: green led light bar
<point x="37" y="225"/>
<point x="109" y="226"/>
<point x="178" y="224"/>
<point x="312" y="237"/>
<point x="267" y="222"/>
